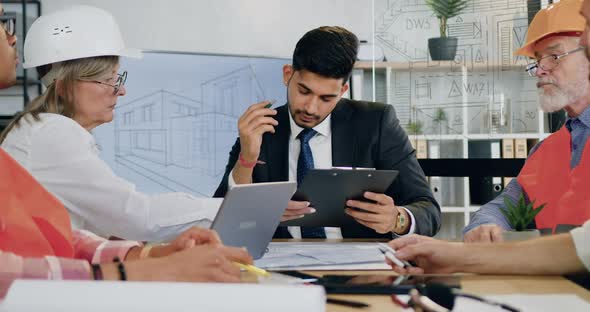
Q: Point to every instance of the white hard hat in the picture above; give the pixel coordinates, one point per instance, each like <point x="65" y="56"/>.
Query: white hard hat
<point x="73" y="33"/>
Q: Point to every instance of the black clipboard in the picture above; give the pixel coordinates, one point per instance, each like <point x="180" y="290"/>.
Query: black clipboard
<point x="328" y="190"/>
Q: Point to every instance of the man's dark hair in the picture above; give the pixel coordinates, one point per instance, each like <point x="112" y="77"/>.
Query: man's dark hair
<point x="329" y="51"/>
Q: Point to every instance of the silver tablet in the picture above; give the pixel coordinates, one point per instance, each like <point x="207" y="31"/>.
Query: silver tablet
<point x="250" y="214"/>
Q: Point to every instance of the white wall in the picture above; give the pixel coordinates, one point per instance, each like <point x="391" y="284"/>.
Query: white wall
<point x="244" y="27"/>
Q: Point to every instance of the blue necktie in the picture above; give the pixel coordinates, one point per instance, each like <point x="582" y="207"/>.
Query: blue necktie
<point x="304" y="163"/>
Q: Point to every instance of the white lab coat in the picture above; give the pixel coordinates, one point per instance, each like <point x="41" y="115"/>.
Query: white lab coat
<point x="63" y="157"/>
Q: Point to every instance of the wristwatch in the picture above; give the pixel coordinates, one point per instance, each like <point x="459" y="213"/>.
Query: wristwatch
<point x="400" y="222"/>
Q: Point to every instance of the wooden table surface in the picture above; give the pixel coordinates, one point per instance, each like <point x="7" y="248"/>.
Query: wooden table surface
<point x="476" y="284"/>
<point x="471" y="283"/>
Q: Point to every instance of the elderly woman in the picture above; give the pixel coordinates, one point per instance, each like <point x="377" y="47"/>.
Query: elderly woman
<point x="37" y="241"/>
<point x="76" y="52"/>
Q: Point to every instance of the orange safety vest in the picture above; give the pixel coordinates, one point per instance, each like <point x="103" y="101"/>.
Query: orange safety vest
<point x="33" y="223"/>
<point x="548" y="178"/>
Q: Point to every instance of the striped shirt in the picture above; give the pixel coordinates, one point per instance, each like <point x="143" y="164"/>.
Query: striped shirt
<point x="88" y="247"/>
<point x="490" y="213"/>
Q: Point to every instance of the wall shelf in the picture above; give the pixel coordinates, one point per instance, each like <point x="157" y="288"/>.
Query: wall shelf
<point x="436" y="66"/>
<point x="456" y="208"/>
<point x="478" y="136"/>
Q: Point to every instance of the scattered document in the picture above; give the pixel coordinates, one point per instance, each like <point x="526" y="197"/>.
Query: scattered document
<point x="64" y="296"/>
<point x="523" y="302"/>
<point x="322" y="256"/>
<point x="278" y="278"/>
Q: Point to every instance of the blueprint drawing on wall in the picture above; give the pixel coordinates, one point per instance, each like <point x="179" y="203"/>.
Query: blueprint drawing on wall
<point x="174" y="128"/>
<point x="485" y="75"/>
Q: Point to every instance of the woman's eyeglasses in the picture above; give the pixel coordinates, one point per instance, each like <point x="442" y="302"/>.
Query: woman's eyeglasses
<point x="8" y="21"/>
<point x="121" y="78"/>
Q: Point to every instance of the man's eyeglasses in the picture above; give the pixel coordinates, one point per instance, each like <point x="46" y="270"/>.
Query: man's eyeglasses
<point x="121" y="78"/>
<point x="8" y="21"/>
<point x="548" y="62"/>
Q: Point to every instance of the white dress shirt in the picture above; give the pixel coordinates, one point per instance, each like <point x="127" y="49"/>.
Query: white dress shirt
<point x="321" y="149"/>
<point x="63" y="157"/>
<point x="581" y="237"/>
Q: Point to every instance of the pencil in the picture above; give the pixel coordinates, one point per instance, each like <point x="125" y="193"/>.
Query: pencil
<point x="252" y="269"/>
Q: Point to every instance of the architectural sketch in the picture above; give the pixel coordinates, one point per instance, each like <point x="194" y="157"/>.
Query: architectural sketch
<point x="485" y="74"/>
<point x="174" y="140"/>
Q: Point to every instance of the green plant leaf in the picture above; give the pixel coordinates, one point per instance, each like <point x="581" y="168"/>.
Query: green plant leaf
<point x="510" y="212"/>
<point x="447" y="8"/>
<point x="520" y="214"/>
<point x="507" y="215"/>
<point x="537" y="210"/>
<point x="439" y="115"/>
<point x="415" y="127"/>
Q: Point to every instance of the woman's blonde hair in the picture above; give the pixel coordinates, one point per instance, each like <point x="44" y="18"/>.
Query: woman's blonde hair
<point x="68" y="73"/>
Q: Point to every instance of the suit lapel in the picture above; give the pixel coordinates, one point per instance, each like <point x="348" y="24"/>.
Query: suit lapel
<point x="343" y="138"/>
<point x="278" y="147"/>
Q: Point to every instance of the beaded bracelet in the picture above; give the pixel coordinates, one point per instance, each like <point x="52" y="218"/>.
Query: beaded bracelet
<point x="121" y="268"/>
<point x="97" y="272"/>
<point x="246" y="164"/>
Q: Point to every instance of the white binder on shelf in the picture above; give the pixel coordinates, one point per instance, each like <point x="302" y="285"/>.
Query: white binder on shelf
<point x="520" y="148"/>
<point x="448" y="191"/>
<point x="507" y="152"/>
<point x="435" y="182"/>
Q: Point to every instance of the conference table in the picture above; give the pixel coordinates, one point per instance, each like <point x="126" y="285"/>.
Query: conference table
<point x="471" y="283"/>
<point x="476" y="284"/>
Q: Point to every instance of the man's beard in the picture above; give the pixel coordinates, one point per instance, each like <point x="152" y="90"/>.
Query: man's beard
<point x="554" y="102"/>
<point x="563" y="97"/>
<point x="296" y="112"/>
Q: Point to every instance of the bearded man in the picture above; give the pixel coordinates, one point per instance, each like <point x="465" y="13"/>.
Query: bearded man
<point x="556" y="169"/>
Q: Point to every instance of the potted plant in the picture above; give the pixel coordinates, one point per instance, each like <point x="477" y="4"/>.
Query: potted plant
<point x="439" y="119"/>
<point x="414" y="127"/>
<point x="520" y="215"/>
<point x="444" y="48"/>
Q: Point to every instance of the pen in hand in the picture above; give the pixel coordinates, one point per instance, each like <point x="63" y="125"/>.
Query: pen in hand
<point x="252" y="269"/>
<point x="270" y="104"/>
<point x="390" y="254"/>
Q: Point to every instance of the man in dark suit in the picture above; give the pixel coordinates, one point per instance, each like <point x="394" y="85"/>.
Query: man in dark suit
<point x="318" y="128"/>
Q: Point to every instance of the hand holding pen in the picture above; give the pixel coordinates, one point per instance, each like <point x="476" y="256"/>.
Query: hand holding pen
<point x="252" y="269"/>
<point x="430" y="255"/>
<point x="389" y="254"/>
<point x="201" y="263"/>
<point x="255" y="122"/>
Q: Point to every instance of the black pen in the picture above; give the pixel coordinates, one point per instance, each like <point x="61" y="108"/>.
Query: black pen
<point x="348" y="303"/>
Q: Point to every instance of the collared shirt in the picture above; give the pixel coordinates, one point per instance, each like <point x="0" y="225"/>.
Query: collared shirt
<point x="579" y="128"/>
<point x="490" y="213"/>
<point x="63" y="157"/>
<point x="321" y="148"/>
<point x="88" y="248"/>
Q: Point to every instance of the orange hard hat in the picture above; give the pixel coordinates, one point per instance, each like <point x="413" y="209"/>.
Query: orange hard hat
<point x="560" y="18"/>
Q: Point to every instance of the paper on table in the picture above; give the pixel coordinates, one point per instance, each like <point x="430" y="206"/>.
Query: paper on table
<point x="35" y="295"/>
<point x="375" y="266"/>
<point x="523" y="302"/>
<point x="527" y="303"/>
<point x="289" y="255"/>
